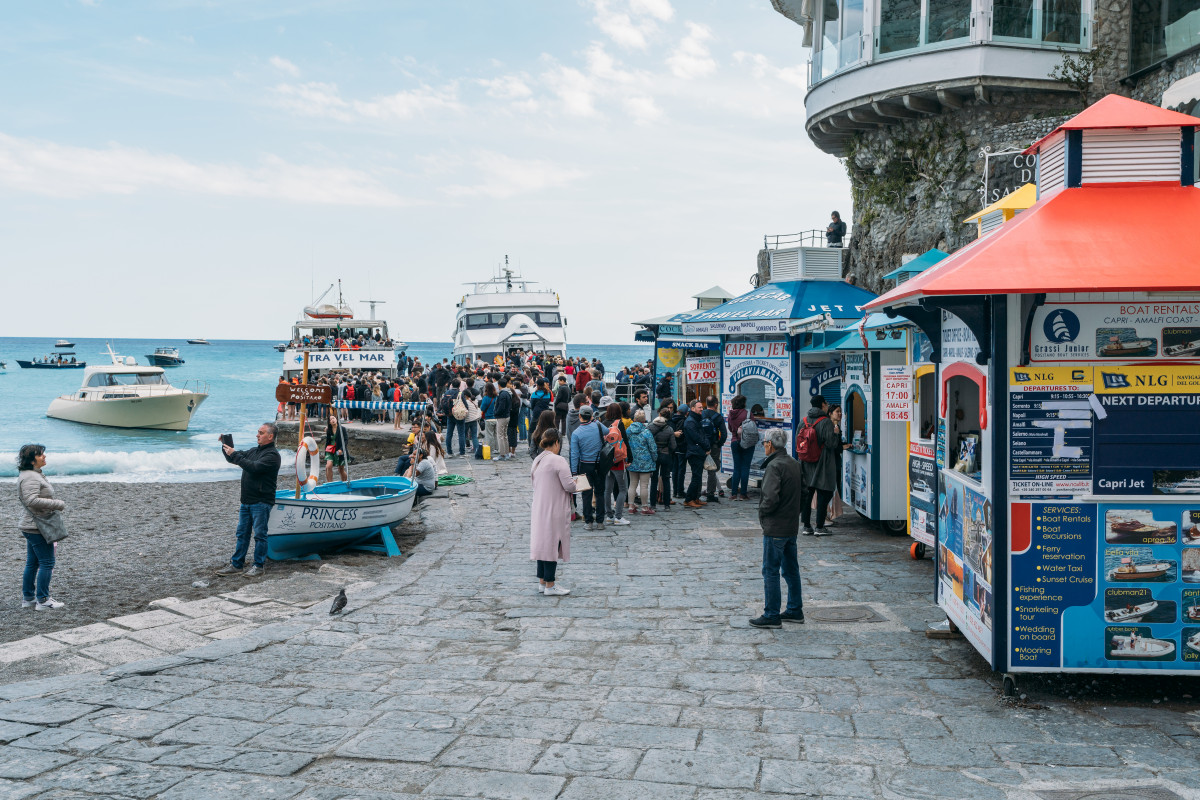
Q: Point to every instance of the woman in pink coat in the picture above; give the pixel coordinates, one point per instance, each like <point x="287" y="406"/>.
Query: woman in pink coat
<point x="550" y="520"/>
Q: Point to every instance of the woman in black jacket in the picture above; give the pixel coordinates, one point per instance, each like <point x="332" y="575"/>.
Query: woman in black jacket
<point x="337" y="449"/>
<point x="664" y="438"/>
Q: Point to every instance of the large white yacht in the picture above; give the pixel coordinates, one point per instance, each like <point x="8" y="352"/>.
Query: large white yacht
<point x="125" y="395"/>
<point x="506" y="313"/>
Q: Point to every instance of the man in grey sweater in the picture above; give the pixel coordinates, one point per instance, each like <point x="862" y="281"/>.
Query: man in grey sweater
<point x="779" y="515"/>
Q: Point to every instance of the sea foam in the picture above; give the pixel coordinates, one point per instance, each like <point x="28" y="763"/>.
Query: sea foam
<point x="139" y="466"/>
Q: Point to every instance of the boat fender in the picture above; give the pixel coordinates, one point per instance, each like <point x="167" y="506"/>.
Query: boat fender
<point x="306" y="474"/>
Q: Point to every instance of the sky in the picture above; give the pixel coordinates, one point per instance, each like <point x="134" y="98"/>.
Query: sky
<point x="184" y="168"/>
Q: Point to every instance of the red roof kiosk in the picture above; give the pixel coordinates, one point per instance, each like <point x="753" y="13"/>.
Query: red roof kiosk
<point x="1067" y="351"/>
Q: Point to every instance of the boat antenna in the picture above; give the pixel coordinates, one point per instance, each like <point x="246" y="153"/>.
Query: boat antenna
<point x="507" y="274"/>
<point x="373" y="304"/>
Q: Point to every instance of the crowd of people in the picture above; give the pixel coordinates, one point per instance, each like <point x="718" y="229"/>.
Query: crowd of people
<point x="344" y="340"/>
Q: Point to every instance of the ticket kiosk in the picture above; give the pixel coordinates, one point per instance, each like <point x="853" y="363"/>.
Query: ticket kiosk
<point x="1067" y="442"/>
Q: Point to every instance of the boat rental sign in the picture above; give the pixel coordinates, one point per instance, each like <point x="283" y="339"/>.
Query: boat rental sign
<point x="1103" y="331"/>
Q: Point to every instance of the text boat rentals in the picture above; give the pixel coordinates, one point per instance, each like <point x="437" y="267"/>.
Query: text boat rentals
<point x="125" y="395"/>
<point x="164" y="357"/>
<point x="505" y="314"/>
<point x="312" y="519"/>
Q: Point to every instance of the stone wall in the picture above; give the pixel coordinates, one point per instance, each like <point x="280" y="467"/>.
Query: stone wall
<point x="366" y="444"/>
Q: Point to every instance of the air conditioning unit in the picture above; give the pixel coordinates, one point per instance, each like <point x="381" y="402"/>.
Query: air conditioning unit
<point x="806" y="264"/>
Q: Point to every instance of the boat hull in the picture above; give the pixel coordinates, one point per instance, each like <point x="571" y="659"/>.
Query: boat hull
<point x="336" y="515"/>
<point x="1137" y="576"/>
<point x="1154" y="648"/>
<point x="172" y="412"/>
<point x="163" y="361"/>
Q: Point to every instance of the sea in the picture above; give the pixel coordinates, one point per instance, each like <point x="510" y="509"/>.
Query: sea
<point x="240" y="375"/>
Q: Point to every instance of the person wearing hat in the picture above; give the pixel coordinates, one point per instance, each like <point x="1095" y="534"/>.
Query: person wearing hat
<point x="586" y="443"/>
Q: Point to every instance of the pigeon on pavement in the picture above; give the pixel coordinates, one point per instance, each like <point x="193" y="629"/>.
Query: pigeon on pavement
<point x="339" y="603"/>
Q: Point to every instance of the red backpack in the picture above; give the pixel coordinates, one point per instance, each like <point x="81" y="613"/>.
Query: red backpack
<point x="614" y="437"/>
<point x="808" y="449"/>
<point x="350" y="392"/>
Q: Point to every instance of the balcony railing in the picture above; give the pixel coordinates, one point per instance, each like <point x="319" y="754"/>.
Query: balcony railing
<point x="813" y="238"/>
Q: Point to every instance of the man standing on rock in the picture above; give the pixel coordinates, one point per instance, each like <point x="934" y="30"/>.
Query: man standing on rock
<point x="779" y="515"/>
<point x="260" y="473"/>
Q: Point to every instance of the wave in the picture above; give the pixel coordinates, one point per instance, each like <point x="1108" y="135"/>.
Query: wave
<point x="139" y="466"/>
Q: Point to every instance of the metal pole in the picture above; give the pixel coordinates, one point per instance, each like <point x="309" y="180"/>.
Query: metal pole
<point x="303" y="409"/>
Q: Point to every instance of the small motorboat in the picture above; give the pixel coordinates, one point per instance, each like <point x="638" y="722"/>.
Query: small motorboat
<point x="165" y="357"/>
<point x="1134" y="347"/>
<point x="1123" y="530"/>
<point x="198" y="341"/>
<point x="63" y="343"/>
<point x="1194" y="643"/>
<point x="1134" y="646"/>
<point x="1191" y="535"/>
<point x="279" y="348"/>
<point x="1129" y="571"/>
<point x="922" y="490"/>
<point x="53" y="361"/>
<point x="1182" y="349"/>
<point x="1193" y="613"/>
<point x="1191" y="575"/>
<point x="337" y="516"/>
<point x="1130" y="613"/>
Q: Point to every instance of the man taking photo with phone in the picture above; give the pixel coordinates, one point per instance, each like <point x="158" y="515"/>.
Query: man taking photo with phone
<point x="260" y="473"/>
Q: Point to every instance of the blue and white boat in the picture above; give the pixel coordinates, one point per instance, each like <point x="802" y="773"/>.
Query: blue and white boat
<point x="339" y="515"/>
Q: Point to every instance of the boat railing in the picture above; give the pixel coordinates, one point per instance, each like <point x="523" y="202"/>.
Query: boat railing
<point x="314" y="349"/>
<point x="97" y="393"/>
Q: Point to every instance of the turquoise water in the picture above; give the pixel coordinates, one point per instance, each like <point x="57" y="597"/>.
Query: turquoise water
<point x="241" y="378"/>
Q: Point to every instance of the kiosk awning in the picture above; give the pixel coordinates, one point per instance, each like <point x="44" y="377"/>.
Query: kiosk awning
<point x="1080" y="239"/>
<point x="768" y="308"/>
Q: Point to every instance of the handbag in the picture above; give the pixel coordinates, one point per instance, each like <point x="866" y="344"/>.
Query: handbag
<point x="51" y="527"/>
<point x="709" y="464"/>
<point x="582" y="484"/>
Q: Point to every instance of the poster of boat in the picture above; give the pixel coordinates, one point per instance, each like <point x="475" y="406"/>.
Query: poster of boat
<point x="1126" y="605"/>
<point x="1107" y="331"/>
<point x="1124" y="343"/>
<point x="1126" y="565"/>
<point x="1137" y="526"/>
<point x="1137" y="643"/>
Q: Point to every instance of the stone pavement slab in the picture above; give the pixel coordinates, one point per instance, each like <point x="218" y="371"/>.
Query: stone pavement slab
<point x="451" y="677"/>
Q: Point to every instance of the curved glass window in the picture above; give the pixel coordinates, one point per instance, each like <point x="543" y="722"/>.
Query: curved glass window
<point x="899" y="25"/>
<point x="1162" y="29"/>
<point x="947" y="20"/>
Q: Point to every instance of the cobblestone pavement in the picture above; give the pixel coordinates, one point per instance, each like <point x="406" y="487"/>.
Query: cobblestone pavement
<point x="453" y="678"/>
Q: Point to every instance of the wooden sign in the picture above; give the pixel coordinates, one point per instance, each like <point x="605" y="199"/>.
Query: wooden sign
<point x="303" y="393"/>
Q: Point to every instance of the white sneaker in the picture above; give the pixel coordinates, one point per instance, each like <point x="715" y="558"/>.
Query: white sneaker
<point x="28" y="603"/>
<point x="541" y="588"/>
<point x="49" y="604"/>
<point x="621" y="521"/>
<point x="610" y="521"/>
<point x="556" y="591"/>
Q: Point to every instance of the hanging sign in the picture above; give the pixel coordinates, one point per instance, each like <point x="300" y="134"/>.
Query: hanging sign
<point x="703" y="370"/>
<point x="1123" y="331"/>
<point x="303" y="393"/>
<point x="340" y="359"/>
<point x="897" y="394"/>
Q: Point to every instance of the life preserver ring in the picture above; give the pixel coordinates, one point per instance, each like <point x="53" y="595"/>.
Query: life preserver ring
<point x="306" y="474"/>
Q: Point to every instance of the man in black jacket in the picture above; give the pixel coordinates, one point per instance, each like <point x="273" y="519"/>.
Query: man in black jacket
<point x="714" y="416"/>
<point x="260" y="473"/>
<point x="504" y="411"/>
<point x="696" y="444"/>
<point x="779" y="515"/>
<point x="835" y="231"/>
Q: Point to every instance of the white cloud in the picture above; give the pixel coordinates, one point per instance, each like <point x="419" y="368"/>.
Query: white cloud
<point x="575" y="90"/>
<point x="643" y="109"/>
<point x="46" y="168"/>
<point x="761" y="67"/>
<point x="316" y="99"/>
<point x="285" y="66"/>
<point x="507" y="87"/>
<point x="691" y="58"/>
<point x="503" y="176"/>
<point x="659" y="9"/>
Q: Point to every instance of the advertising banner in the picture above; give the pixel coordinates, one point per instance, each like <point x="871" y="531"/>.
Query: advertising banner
<point x="767" y="363"/>
<point x="965" y="559"/>
<point x="1105" y="587"/>
<point x="922" y="476"/>
<point x="1106" y="331"/>
<point x="958" y="343"/>
<point x="897" y="394"/>
<point x="703" y="370"/>
<point x="340" y="359"/>
<point x="1050" y="419"/>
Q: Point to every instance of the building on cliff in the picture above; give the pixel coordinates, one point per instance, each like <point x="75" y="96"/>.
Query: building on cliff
<point x="931" y="102"/>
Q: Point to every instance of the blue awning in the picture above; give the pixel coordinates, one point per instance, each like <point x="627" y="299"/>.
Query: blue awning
<point x="918" y="264"/>
<point x="769" y="308"/>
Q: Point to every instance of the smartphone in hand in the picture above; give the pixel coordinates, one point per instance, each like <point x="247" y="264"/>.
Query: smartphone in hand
<point x="227" y="439"/>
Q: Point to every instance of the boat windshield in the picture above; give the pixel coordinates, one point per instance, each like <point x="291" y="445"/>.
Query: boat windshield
<point x="125" y="379"/>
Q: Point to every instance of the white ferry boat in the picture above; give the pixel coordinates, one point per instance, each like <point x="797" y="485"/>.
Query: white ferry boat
<point x="504" y="314"/>
<point x="340" y="342"/>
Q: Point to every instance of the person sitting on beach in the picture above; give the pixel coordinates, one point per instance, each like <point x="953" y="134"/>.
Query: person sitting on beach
<point x="260" y="474"/>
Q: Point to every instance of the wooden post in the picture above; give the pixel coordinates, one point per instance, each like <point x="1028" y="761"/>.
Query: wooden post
<point x="300" y="430"/>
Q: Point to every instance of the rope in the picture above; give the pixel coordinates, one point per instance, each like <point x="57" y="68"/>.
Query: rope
<point x="453" y="480"/>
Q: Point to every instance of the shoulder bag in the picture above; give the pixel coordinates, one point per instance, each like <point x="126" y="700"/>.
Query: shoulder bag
<point x="51" y="527"/>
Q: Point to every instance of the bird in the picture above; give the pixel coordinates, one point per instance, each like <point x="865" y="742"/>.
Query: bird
<point x="339" y="603"/>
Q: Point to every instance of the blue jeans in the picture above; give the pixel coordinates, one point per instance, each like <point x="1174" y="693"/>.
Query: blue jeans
<point x="473" y="434"/>
<point x="522" y="423"/>
<point x="741" y="468"/>
<point x="779" y="555"/>
<point x="256" y="515"/>
<point x="39" y="563"/>
<point x="453" y="425"/>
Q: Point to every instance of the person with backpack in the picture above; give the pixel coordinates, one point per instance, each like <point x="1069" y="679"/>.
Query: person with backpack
<point x="587" y="445"/>
<point x="718" y="434"/>
<point x="643" y="463"/>
<point x="679" y="415"/>
<point x="664" y="440"/>
<point x="488" y="407"/>
<point x="448" y="405"/>
<point x="743" y="436"/>
<point x="818" y="446"/>
<point x="562" y="402"/>
<point x="616" y="483"/>
<point x="502" y="411"/>
<point x="696" y="446"/>
<point x="541" y="400"/>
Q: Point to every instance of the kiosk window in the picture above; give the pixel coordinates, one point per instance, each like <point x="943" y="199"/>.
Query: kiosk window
<point x="757" y="391"/>
<point x="964" y="441"/>
<point x="855" y="422"/>
<point x="926" y="406"/>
